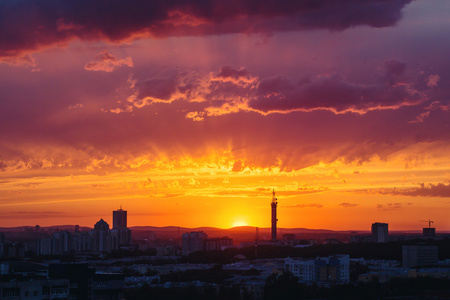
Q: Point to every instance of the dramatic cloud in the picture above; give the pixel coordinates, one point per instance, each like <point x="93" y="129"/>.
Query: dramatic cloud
<point x="219" y="102"/>
<point x="334" y="93"/>
<point x="46" y="23"/>
<point x="424" y="190"/>
<point x="107" y="62"/>
<point x="234" y="90"/>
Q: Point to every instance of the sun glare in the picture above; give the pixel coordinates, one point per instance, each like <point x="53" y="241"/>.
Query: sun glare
<point x="239" y="223"/>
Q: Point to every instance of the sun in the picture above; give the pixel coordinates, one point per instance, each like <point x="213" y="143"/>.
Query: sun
<point x="239" y="223"/>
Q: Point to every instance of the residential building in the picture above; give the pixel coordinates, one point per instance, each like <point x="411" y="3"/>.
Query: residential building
<point x="322" y="269"/>
<point x="218" y="243"/>
<point x="419" y="255"/>
<point x="380" y="232"/>
<point x="192" y="242"/>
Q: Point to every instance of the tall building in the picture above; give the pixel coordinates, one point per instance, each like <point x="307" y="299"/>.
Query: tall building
<point x="120" y="231"/>
<point x="192" y="242"/>
<point x="119" y="218"/>
<point x="380" y="232"/>
<point x="429" y="232"/>
<point x="101" y="238"/>
<point x="274" y="204"/>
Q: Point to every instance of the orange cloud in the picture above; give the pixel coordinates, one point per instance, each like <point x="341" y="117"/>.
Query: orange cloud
<point x="107" y="62"/>
<point x="424" y="190"/>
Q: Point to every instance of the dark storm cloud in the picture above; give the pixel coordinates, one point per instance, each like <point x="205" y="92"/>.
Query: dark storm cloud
<point x="161" y="88"/>
<point x="232" y="90"/>
<point x="332" y="92"/>
<point x="230" y="72"/>
<point x="30" y="25"/>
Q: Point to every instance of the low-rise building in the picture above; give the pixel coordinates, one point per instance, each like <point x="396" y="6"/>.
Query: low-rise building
<point x="334" y="269"/>
<point x="419" y="255"/>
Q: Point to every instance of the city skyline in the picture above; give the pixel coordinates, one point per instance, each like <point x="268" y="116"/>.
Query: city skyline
<point x="191" y="113"/>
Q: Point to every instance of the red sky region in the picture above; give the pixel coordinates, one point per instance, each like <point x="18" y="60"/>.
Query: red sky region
<point x="189" y="113"/>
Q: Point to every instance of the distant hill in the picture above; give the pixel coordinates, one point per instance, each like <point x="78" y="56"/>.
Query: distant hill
<point x="48" y="228"/>
<point x="238" y="234"/>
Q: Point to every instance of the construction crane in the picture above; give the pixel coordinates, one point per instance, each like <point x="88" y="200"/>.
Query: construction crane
<point x="429" y="222"/>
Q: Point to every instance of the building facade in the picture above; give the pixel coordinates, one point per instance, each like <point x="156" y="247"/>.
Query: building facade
<point x="419" y="255"/>
<point x="334" y="269"/>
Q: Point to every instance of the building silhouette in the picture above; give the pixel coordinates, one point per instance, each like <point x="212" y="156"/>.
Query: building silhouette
<point x="120" y="232"/>
<point x="274" y="204"/>
<point x="101" y="238"/>
<point x="334" y="268"/>
<point x="419" y="255"/>
<point x="218" y="244"/>
<point x="380" y="232"/>
<point x="429" y="232"/>
<point x="119" y="218"/>
<point x="58" y="281"/>
<point x="81" y="241"/>
<point x="192" y="242"/>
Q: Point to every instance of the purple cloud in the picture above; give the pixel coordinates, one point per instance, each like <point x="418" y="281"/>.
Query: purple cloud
<point x="46" y="23"/>
<point x="107" y="62"/>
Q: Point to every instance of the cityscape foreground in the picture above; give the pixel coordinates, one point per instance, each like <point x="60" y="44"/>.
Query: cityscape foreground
<point x="123" y="263"/>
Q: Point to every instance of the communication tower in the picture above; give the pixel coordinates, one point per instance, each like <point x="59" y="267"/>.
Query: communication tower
<point x="274" y="204"/>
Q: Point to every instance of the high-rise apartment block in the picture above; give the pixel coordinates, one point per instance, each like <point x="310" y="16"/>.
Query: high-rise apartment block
<point x="119" y="218"/>
<point x="120" y="231"/>
<point x="429" y="232"/>
<point x="380" y="232"/>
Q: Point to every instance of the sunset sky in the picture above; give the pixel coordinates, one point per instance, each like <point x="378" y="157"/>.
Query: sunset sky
<point x="189" y="112"/>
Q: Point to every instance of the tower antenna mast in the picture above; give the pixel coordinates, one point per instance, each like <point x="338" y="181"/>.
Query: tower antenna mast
<point x="274" y="204"/>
